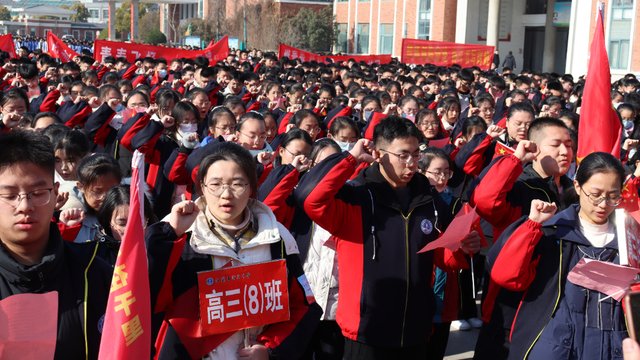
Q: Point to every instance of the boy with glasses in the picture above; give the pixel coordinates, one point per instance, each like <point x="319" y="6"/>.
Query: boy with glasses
<point x="380" y="221"/>
<point x="34" y="257"/>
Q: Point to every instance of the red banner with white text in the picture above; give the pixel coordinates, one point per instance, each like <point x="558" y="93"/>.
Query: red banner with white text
<point x="6" y="44"/>
<point x="293" y="53"/>
<point x="104" y="48"/>
<point x="442" y="53"/>
<point x="58" y="49"/>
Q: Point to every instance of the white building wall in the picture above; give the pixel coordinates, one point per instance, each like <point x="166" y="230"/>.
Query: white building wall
<point x="578" y="47"/>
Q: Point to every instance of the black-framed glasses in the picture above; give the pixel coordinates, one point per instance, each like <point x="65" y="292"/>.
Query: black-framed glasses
<point x="441" y="175"/>
<point x="38" y="197"/>
<point x="217" y="188"/>
<point x="613" y="200"/>
<point x="406" y="157"/>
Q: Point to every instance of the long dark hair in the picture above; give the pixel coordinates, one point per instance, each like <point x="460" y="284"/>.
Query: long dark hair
<point x="293" y="134"/>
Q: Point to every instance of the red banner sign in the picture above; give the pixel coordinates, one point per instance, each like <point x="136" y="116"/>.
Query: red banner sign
<point x="104" y="48"/>
<point x="241" y="297"/>
<point x="293" y="53"/>
<point x="58" y="49"/>
<point x="446" y="54"/>
<point x="6" y="44"/>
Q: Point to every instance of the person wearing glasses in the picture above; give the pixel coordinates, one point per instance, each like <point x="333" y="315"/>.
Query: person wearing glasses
<point x="226" y="226"/>
<point x="380" y="220"/>
<point x="502" y="194"/>
<point x="556" y="318"/>
<point x="34" y="256"/>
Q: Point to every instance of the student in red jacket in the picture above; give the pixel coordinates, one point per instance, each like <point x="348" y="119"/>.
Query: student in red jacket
<point x="380" y="221"/>
<point x="502" y="194"/>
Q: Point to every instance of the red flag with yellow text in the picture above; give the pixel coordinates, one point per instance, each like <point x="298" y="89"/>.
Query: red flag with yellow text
<point x="126" y="333"/>
<point x="600" y="128"/>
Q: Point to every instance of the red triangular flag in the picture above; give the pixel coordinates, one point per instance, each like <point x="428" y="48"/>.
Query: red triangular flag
<point x="476" y="225"/>
<point x="600" y="128"/>
<point x="502" y="149"/>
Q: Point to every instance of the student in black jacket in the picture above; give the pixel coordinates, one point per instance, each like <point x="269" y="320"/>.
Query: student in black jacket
<point x="33" y="256"/>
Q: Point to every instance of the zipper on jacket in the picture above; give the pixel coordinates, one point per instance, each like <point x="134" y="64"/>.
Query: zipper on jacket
<point x="41" y="277"/>
<point x="535" y="188"/>
<point x="554" y="306"/>
<point x="406" y="299"/>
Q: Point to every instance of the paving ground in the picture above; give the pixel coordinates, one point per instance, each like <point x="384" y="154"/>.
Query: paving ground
<point x="462" y="343"/>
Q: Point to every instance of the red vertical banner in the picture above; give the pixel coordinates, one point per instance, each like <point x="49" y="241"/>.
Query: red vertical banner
<point x="126" y="333"/>
<point x="446" y="54"/>
<point x="597" y="111"/>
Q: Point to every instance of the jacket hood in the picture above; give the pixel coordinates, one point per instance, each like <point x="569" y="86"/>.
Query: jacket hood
<point x="269" y="231"/>
<point x="36" y="277"/>
<point x="374" y="181"/>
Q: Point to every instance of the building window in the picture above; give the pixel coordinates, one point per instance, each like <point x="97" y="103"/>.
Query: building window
<point x="46" y="31"/>
<point x="94" y="14"/>
<point x="65" y="31"/>
<point x="386" y="39"/>
<point x="620" y="33"/>
<point x="88" y="35"/>
<point x="33" y="31"/>
<point x="362" y="39"/>
<point x="105" y="14"/>
<point x="424" y="19"/>
<point x="76" y="34"/>
<point x="364" y="0"/>
<point x="342" y="39"/>
<point x="536" y="7"/>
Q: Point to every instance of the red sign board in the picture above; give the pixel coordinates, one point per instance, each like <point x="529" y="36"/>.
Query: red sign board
<point x="628" y="239"/>
<point x="446" y="54"/>
<point x="242" y="297"/>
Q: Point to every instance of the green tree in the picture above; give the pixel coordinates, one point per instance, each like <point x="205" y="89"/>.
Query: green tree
<point x="148" y="22"/>
<point x="204" y="28"/>
<point x="82" y="13"/>
<point x="123" y="17"/>
<point x="310" y="30"/>
<point x="4" y="13"/>
<point x="155" y="36"/>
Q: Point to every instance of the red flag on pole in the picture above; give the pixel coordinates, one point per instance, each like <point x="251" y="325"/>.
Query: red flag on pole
<point x="58" y="49"/>
<point x="600" y="129"/>
<point x="126" y="333"/>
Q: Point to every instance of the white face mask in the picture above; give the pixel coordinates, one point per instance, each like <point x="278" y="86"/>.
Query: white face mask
<point x="187" y="128"/>
<point x="345" y="146"/>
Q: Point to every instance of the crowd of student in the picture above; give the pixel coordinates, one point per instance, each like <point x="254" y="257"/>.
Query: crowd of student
<point x="329" y="167"/>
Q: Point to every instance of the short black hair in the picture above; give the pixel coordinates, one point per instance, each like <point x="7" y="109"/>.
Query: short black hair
<point x="542" y="123"/>
<point x="96" y="166"/>
<point x="27" y="71"/>
<point x="19" y="147"/>
<point x="394" y="127"/>
<point x="117" y="196"/>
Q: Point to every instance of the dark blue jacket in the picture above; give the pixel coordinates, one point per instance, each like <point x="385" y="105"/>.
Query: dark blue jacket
<point x="556" y="319"/>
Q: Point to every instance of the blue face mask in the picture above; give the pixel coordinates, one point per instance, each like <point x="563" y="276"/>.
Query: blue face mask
<point x="120" y="108"/>
<point x="162" y="73"/>
<point x="368" y="114"/>
<point x="628" y="125"/>
<point x="345" y="146"/>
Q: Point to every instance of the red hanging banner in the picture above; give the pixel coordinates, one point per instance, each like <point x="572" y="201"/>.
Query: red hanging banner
<point x="241" y="297"/>
<point x="293" y="53"/>
<point x="104" y="48"/>
<point x="446" y="54"/>
<point x="58" y="49"/>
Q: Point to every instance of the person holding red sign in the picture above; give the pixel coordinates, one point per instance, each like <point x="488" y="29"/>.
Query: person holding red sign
<point x="225" y="227"/>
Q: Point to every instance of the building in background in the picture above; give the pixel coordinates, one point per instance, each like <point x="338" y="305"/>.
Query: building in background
<point x="542" y="34"/>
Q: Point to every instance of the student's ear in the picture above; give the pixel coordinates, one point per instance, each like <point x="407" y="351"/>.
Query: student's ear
<point x="79" y="185"/>
<point x="576" y="187"/>
<point x="56" y="186"/>
<point x="329" y="136"/>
